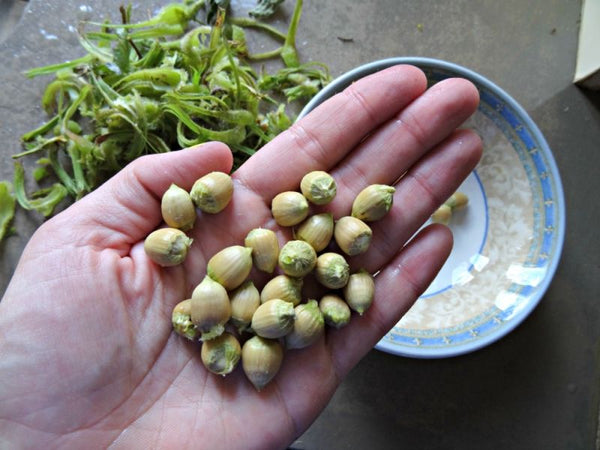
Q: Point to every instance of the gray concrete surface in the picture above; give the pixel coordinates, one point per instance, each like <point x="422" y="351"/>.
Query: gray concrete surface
<point x="534" y="389"/>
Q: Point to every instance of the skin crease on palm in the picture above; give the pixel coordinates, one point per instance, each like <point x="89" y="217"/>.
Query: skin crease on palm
<point x="87" y="355"/>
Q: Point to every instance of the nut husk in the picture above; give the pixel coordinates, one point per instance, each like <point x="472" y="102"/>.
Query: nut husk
<point x="317" y="230"/>
<point x="308" y="326"/>
<point x="181" y="318"/>
<point x="332" y="270"/>
<point x="265" y="248"/>
<point x="244" y="301"/>
<point x="273" y="319"/>
<point x="335" y="310"/>
<point x="231" y="266"/>
<point x="360" y="291"/>
<point x="212" y="192"/>
<point x="318" y="187"/>
<point x="442" y="215"/>
<point x="210" y="308"/>
<point x="373" y="202"/>
<point x="284" y="288"/>
<point x="221" y="354"/>
<point x="297" y="258"/>
<point x="177" y="208"/>
<point x="352" y="235"/>
<point x="167" y="246"/>
<point x="289" y="208"/>
<point x="261" y="360"/>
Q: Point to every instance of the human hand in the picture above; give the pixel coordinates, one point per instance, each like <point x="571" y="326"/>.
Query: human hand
<point x="87" y="354"/>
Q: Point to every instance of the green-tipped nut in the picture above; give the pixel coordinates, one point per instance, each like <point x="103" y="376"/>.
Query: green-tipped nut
<point x="308" y="326"/>
<point x="332" y="270"/>
<point x="289" y="208"/>
<point x="261" y="360"/>
<point x="273" y="319"/>
<point x="265" y="248"/>
<point x="457" y="200"/>
<point x="360" y="291"/>
<point x="167" y="246"/>
<point x="297" y="258"/>
<point x="181" y="318"/>
<point x="221" y="354"/>
<point x="352" y="235"/>
<point x="212" y="192"/>
<point x="210" y="308"/>
<point x="284" y="288"/>
<point x="373" y="202"/>
<point x="442" y="215"/>
<point x="335" y="310"/>
<point x="318" y="187"/>
<point x="177" y="208"/>
<point x="244" y="301"/>
<point x="231" y="266"/>
<point x="317" y="230"/>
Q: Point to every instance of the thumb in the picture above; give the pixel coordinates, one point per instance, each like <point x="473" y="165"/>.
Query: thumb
<point x="126" y="208"/>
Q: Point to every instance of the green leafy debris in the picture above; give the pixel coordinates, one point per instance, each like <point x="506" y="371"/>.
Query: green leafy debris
<point x="182" y="77"/>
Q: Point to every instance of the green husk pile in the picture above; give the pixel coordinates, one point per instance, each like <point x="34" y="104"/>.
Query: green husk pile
<point x="183" y="77"/>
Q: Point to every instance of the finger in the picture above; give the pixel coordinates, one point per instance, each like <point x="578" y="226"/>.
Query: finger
<point x="403" y="140"/>
<point x="126" y="208"/>
<point x="323" y="137"/>
<point x="397" y="287"/>
<point x="424" y="187"/>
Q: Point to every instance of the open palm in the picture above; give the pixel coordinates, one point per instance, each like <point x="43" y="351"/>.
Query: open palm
<point x="87" y="354"/>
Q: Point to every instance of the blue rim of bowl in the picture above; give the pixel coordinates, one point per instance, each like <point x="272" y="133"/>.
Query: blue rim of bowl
<point x="482" y="83"/>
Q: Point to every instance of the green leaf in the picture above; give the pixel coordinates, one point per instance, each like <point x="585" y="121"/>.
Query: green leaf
<point x="265" y="8"/>
<point x="7" y="208"/>
<point x="43" y="129"/>
<point x="151" y="81"/>
<point x="44" y="200"/>
<point x="212" y="9"/>
<point x="122" y="52"/>
<point x="53" y="68"/>
<point x="288" y="51"/>
<point x="39" y="173"/>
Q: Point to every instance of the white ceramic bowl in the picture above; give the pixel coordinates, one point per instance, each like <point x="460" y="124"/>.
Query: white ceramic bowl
<point x="508" y="240"/>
